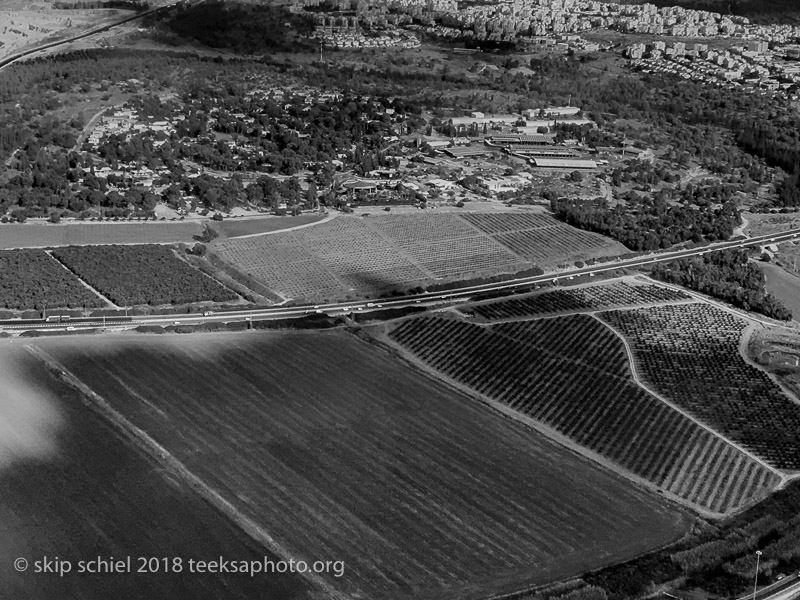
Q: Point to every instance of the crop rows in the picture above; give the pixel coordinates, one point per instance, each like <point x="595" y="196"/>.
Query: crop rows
<point x="550" y="244"/>
<point x="410" y="230"/>
<point x="418" y="492"/>
<point x="283" y="264"/>
<point x="445" y="245"/>
<point x="31" y="279"/>
<point x="150" y="274"/>
<point x="577" y="299"/>
<point x="368" y="255"/>
<point x="461" y="257"/>
<point x="380" y="253"/>
<point x="572" y="374"/>
<point x="690" y="354"/>
<point x="494" y="223"/>
<point x="538" y="238"/>
<point x="360" y="256"/>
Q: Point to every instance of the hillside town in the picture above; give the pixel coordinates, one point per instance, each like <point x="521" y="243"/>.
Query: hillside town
<point x="752" y="66"/>
<point x="525" y="20"/>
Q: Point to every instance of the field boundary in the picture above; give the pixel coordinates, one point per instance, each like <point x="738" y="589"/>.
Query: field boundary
<point x="329" y="217"/>
<point x="161" y="455"/>
<point x="182" y="257"/>
<point x="715" y="433"/>
<point x="554" y="436"/>
<point x="79" y="278"/>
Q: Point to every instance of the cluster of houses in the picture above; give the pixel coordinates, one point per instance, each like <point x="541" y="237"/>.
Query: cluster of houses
<point x="347" y="38"/>
<point x="752" y="65"/>
<point x="507" y="20"/>
<point x="125" y="122"/>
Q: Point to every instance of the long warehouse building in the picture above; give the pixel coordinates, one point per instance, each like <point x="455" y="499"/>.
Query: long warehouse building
<point x="563" y="163"/>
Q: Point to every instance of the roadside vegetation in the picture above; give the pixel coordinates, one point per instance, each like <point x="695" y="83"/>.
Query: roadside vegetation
<point x="728" y="275"/>
<point x="720" y="559"/>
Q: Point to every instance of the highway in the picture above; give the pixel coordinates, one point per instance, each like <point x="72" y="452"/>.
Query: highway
<point x="785" y="589"/>
<point x="426" y="299"/>
<point x="25" y="53"/>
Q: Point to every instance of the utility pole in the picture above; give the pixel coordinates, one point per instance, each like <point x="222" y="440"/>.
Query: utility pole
<point x="755" y="584"/>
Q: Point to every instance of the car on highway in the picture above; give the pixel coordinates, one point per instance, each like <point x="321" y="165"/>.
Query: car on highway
<point x="208" y="313"/>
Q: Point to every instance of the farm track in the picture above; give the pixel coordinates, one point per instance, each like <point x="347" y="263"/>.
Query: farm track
<point x="286" y="230"/>
<point x="635" y="437"/>
<point x="161" y="455"/>
<point x="109" y="303"/>
<point x="744" y="451"/>
<point x="422" y="492"/>
<point x="346" y="255"/>
<point x="693" y="351"/>
<point x="31" y="278"/>
<point x="537" y="425"/>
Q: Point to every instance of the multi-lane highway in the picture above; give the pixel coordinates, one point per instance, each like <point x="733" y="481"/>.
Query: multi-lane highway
<point x="25" y="53"/>
<point x="426" y="299"/>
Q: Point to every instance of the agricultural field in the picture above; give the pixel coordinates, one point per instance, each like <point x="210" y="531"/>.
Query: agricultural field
<point x="422" y="492"/>
<point x="590" y="298"/>
<point x="31" y="235"/>
<point x="357" y="254"/>
<point x="381" y="253"/>
<point x="446" y="245"/>
<point x="543" y="239"/>
<point x="73" y="487"/>
<point x="531" y="367"/>
<point x="690" y="354"/>
<point x="30" y="279"/>
<point x="281" y="262"/>
<point x="134" y="275"/>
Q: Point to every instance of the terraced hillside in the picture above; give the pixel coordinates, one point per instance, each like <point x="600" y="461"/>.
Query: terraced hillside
<point x="572" y="374"/>
<point x="354" y="255"/>
<point x="690" y="354"/>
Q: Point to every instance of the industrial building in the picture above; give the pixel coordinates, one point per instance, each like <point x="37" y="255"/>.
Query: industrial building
<point x="563" y="163"/>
